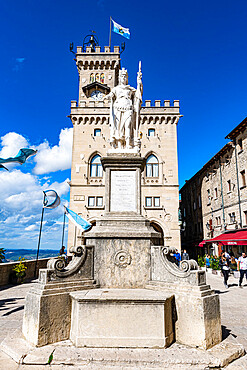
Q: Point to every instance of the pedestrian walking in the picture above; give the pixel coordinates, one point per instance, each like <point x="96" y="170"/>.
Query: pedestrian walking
<point x="207" y="261"/>
<point x="177" y="256"/>
<point x="227" y="255"/>
<point x="242" y="267"/>
<point x="225" y="269"/>
<point x="233" y="264"/>
<point x="185" y="255"/>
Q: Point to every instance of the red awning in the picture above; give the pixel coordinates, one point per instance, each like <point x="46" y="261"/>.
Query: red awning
<point x="238" y="237"/>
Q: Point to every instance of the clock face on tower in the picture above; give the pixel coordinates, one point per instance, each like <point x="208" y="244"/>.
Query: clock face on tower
<point x="97" y="95"/>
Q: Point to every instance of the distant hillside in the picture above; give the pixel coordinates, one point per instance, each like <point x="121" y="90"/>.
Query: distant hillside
<point x="29" y="254"/>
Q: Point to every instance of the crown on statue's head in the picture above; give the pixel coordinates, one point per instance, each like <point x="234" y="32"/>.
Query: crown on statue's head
<point x="123" y="72"/>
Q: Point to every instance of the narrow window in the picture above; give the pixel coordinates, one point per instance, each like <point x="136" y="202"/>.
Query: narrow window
<point x="245" y="217"/>
<point x="91" y="201"/>
<point x="97" y="132"/>
<point x="96" y="167"/>
<point x="215" y="193"/>
<point x="151" y="132"/>
<point x="229" y="185"/>
<point x="148" y="202"/>
<point x="97" y="77"/>
<point x="240" y="144"/>
<point x="99" y="201"/>
<point x="156" y="201"/>
<point x="102" y="78"/>
<point x="91" y="77"/>
<point x="232" y="217"/>
<point x="243" y="178"/>
<point x="152" y="166"/>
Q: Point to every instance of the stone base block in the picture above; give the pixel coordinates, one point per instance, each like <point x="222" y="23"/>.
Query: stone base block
<point x="197" y="313"/>
<point x="121" y="318"/>
<point x="48" y="311"/>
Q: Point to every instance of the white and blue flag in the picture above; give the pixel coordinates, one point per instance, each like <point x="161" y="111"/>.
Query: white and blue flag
<point x="77" y="220"/>
<point x="125" y="32"/>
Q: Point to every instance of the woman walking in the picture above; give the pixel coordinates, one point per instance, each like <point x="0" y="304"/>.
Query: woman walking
<point x="225" y="269"/>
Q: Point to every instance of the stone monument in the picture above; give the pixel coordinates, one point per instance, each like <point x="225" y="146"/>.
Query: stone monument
<point x="121" y="289"/>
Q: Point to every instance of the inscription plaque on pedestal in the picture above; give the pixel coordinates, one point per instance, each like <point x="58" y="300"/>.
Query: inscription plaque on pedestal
<point x="123" y="191"/>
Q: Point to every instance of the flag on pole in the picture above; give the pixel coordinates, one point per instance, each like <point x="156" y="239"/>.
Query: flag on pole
<point x="51" y="199"/>
<point x="20" y="158"/>
<point x="125" y="32"/>
<point x="82" y="224"/>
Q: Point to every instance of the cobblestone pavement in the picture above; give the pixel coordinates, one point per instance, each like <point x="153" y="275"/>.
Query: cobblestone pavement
<point x="233" y="316"/>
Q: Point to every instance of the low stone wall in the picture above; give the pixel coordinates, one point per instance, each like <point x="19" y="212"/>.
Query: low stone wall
<point x="7" y="268"/>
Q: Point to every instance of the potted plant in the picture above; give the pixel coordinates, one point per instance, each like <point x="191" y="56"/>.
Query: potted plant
<point x="201" y="262"/>
<point x="214" y="264"/>
<point x="19" y="272"/>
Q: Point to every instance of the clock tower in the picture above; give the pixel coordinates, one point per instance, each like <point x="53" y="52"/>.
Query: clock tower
<point x="98" y="71"/>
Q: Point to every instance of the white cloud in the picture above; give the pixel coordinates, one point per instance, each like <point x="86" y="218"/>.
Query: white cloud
<point x="11" y="143"/>
<point x="56" y="158"/>
<point x="21" y="192"/>
<point x="21" y="197"/>
<point x="31" y="227"/>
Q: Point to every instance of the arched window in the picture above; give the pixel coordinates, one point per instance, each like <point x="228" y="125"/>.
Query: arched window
<point x="96" y="167"/>
<point x="92" y="77"/>
<point x="102" y="78"/>
<point x="97" y="77"/>
<point x="152" y="166"/>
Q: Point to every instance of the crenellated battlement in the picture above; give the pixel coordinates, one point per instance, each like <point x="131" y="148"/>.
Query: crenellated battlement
<point x="157" y="103"/>
<point x="98" y="59"/>
<point x="156" y="114"/>
<point x="98" y="50"/>
<point x="104" y="104"/>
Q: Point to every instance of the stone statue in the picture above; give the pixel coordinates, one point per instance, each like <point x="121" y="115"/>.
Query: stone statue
<point x="125" y="112"/>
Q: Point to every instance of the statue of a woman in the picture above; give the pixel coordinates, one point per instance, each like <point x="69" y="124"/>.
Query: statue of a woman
<point x="125" y="111"/>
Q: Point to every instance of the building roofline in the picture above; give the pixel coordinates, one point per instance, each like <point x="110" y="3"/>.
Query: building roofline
<point x="218" y="155"/>
<point x="237" y="130"/>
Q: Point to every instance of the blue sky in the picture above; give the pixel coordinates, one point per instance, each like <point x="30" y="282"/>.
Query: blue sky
<point x="194" y="51"/>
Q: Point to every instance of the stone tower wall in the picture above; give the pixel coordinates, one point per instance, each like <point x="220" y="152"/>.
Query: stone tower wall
<point x="88" y="115"/>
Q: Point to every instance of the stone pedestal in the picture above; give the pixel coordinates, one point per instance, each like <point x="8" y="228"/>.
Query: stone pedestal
<point x="197" y="319"/>
<point x="47" y="314"/>
<point x="122" y="318"/>
<point x="122" y="256"/>
<point x="122" y="237"/>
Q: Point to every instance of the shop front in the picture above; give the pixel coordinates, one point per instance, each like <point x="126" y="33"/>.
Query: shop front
<point x="231" y="241"/>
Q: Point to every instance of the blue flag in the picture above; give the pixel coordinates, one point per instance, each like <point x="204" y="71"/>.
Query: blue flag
<point x="125" y="32"/>
<point x="77" y="220"/>
<point x="20" y="158"/>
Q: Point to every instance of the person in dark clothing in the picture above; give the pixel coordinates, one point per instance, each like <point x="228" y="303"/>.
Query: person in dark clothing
<point x="177" y="257"/>
<point x="185" y="255"/>
<point x="225" y="269"/>
<point x="62" y="251"/>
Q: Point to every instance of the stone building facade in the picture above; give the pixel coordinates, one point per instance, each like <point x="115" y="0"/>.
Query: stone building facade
<point x="214" y="200"/>
<point x="98" y="73"/>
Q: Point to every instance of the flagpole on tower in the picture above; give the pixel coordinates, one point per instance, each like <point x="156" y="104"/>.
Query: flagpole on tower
<point x="110" y="35"/>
